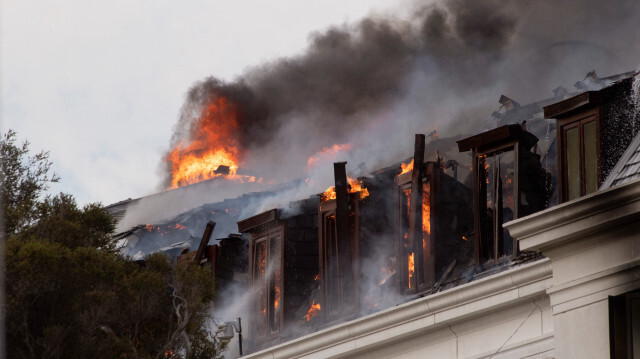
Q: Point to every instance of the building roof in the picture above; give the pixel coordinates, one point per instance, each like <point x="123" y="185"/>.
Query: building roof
<point x="628" y="167"/>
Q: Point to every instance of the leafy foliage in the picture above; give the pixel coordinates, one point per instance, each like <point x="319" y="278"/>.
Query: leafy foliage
<point x="23" y="179"/>
<point x="70" y="294"/>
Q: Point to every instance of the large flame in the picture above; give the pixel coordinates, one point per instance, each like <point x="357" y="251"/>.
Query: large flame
<point x="313" y="311"/>
<point x="355" y="186"/>
<point x="404" y="168"/>
<point x="212" y="144"/>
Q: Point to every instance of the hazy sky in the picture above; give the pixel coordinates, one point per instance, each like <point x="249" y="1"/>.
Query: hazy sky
<point x="100" y="83"/>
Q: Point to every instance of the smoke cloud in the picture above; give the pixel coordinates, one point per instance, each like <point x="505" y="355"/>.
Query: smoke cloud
<point x="374" y="83"/>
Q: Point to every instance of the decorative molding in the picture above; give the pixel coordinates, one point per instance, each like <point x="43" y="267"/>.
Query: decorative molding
<point x="421" y="315"/>
<point x="597" y="212"/>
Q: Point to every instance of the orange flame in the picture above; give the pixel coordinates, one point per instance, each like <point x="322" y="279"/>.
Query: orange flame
<point x="411" y="268"/>
<point x="276" y="300"/>
<point x="180" y="227"/>
<point x="426" y="213"/>
<point x="404" y="168"/>
<point x="213" y="144"/>
<point x="262" y="261"/>
<point x="327" y="154"/>
<point x="355" y="186"/>
<point x="313" y="311"/>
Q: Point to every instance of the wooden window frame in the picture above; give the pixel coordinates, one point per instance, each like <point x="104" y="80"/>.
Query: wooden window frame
<point x="276" y="231"/>
<point x="577" y="120"/>
<point x="424" y="260"/>
<point x="480" y="194"/>
<point x="327" y="209"/>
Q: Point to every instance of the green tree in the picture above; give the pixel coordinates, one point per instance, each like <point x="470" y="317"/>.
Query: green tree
<point x="70" y="294"/>
<point x="24" y="178"/>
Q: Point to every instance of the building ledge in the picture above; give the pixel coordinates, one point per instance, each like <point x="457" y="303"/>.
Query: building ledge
<point x="421" y="315"/>
<point x="598" y="212"/>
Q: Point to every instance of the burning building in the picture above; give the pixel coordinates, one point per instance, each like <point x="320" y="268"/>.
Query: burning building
<point x="445" y="257"/>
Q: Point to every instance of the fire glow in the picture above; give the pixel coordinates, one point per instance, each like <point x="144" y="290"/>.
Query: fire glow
<point x="411" y="268"/>
<point x="426" y="213"/>
<point x="404" y="168"/>
<point x="327" y="154"/>
<point x="313" y="311"/>
<point x="276" y="300"/>
<point x="355" y="186"/>
<point x="213" y="144"/>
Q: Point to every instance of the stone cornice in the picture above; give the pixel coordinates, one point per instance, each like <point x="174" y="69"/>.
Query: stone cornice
<point x="421" y="315"/>
<point x="597" y="212"/>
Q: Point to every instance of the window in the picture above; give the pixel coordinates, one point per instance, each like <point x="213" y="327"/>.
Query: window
<point x="497" y="202"/>
<point x="624" y="325"/>
<point x="508" y="183"/>
<point x="416" y="261"/>
<point x="267" y="282"/>
<point x="580" y="147"/>
<point x="339" y="261"/>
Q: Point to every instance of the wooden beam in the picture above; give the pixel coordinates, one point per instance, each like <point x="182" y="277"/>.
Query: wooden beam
<point x="342" y="228"/>
<point x="206" y="236"/>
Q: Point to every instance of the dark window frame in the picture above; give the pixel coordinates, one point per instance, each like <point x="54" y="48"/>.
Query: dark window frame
<point x="274" y="318"/>
<point x="480" y="194"/>
<point x="623" y="330"/>
<point x="424" y="260"/>
<point x="345" y="307"/>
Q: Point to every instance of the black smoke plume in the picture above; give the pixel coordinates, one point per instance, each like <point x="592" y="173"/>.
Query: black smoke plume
<point x="376" y="82"/>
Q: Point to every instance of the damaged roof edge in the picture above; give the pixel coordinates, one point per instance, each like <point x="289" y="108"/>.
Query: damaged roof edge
<point x="617" y="174"/>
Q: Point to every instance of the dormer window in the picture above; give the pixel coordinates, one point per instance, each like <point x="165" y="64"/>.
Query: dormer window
<point x="339" y="240"/>
<point x="265" y="272"/>
<point x="508" y="183"/>
<point x="593" y="130"/>
<point x="579" y="144"/>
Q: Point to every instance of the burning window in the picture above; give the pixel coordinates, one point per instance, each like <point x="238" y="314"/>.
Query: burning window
<point x="509" y="183"/>
<point x="338" y="274"/>
<point x="339" y="244"/>
<point x="283" y="262"/>
<point x="416" y="257"/>
<point x="267" y="282"/>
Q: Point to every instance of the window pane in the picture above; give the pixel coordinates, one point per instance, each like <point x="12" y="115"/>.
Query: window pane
<point x="506" y="201"/>
<point x="499" y="169"/>
<point x="426" y="231"/>
<point x="346" y="272"/>
<point x="259" y="280"/>
<point x="331" y="263"/>
<point x="573" y="163"/>
<point x="590" y="157"/>
<point x="275" y="302"/>
<point x="408" y="267"/>
<point x="487" y="207"/>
